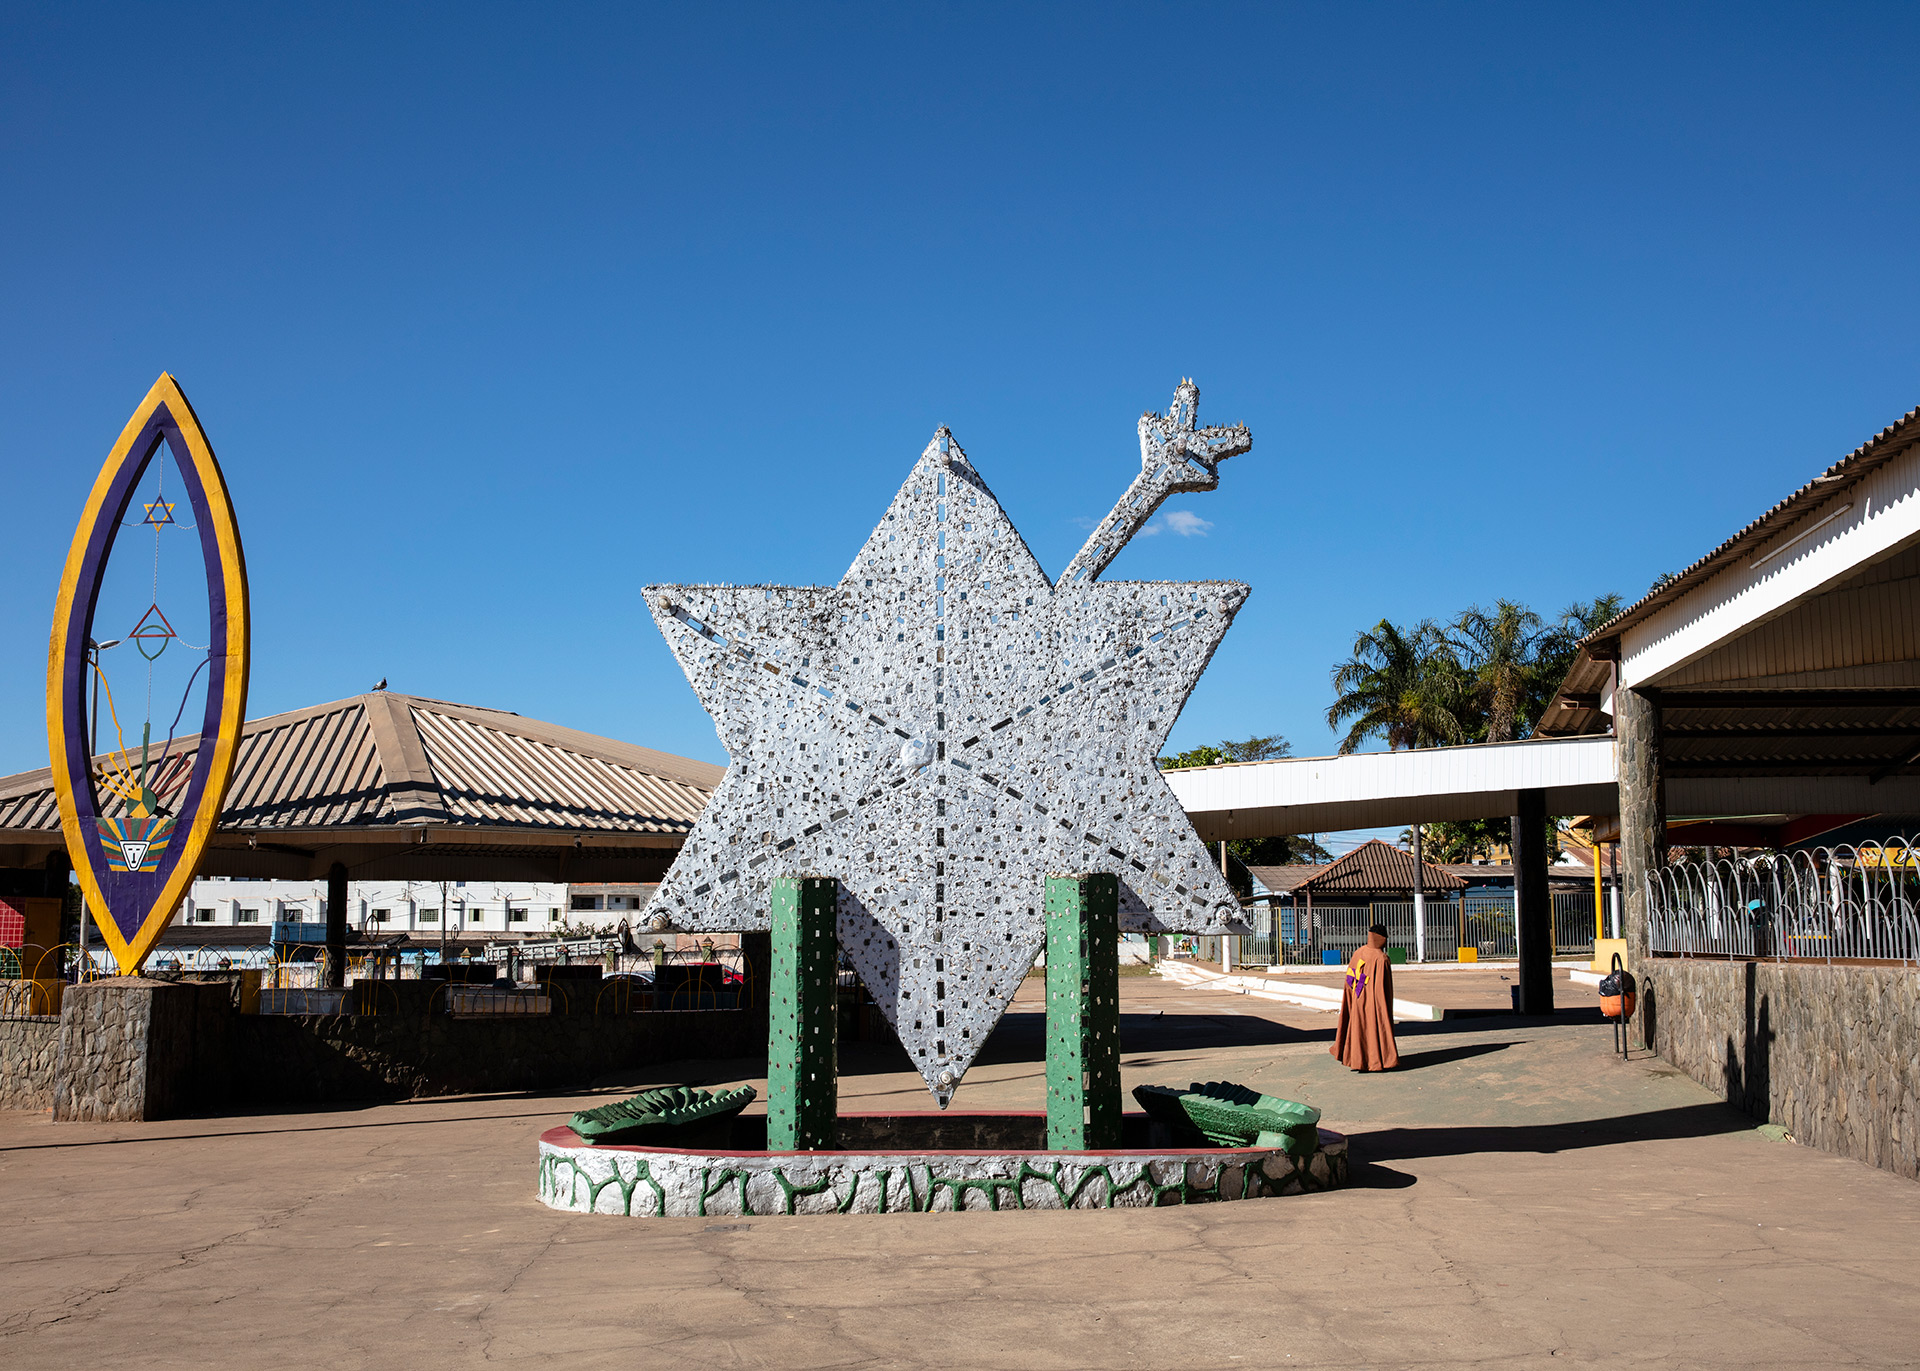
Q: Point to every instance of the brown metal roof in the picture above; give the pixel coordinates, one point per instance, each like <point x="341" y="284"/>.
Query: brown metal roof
<point x="1442" y="877"/>
<point x="424" y="771"/>
<point x="1284" y="880"/>
<point x="1876" y="452"/>
<point x="1372" y="867"/>
<point x="1576" y="710"/>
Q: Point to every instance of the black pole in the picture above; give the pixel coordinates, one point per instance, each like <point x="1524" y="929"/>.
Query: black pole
<point x="1532" y="904"/>
<point x="337" y="925"/>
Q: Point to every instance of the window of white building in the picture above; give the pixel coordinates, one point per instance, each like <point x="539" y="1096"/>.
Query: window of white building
<point x="246" y="916"/>
<point x="518" y="916"/>
<point x="429" y="916"/>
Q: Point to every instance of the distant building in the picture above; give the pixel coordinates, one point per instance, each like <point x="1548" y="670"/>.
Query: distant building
<point x="535" y="909"/>
<point x="607" y="905"/>
<point x="418" y="908"/>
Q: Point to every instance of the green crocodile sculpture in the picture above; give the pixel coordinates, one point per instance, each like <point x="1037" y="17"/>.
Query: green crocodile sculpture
<point x="660" y="1115"/>
<point x="1229" y="1115"/>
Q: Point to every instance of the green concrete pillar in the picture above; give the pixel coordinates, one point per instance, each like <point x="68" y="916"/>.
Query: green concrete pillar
<point x="1083" y="1011"/>
<point x="803" y="1016"/>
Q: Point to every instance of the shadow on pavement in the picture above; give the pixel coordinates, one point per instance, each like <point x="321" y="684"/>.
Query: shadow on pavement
<point x="1366" y="1175"/>
<point x="1023" y="1037"/>
<point x="1689" y="1121"/>
<point x="1440" y="1056"/>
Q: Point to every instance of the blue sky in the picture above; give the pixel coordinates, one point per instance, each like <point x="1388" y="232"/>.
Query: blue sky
<point x="496" y="314"/>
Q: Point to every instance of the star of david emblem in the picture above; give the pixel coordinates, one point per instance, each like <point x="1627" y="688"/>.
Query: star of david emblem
<point x="158" y="512"/>
<point x="943" y="729"/>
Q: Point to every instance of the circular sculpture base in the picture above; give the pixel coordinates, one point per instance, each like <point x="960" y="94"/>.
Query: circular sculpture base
<point x="917" y="1163"/>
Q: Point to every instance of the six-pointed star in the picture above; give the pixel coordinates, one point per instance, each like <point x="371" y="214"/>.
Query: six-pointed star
<point x="939" y="732"/>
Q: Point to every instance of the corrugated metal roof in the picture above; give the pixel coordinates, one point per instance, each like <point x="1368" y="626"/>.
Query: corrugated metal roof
<point x="1284" y="880"/>
<point x="1811" y="624"/>
<point x="1883" y="447"/>
<point x="382" y="759"/>
<point x="1371" y="867"/>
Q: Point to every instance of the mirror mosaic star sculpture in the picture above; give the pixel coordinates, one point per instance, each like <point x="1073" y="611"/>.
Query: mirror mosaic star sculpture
<point x="946" y="727"/>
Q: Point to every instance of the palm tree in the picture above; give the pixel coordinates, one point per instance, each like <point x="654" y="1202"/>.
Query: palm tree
<point x="1501" y="651"/>
<point x="1403" y="687"/>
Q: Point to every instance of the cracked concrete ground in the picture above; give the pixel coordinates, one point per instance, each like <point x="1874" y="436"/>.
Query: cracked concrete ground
<point x="1522" y="1198"/>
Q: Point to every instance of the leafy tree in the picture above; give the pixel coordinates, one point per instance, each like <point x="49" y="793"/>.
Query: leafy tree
<point x="1288" y="851"/>
<point x="1204" y="755"/>
<point x="1404" y="687"/>
<point x="1466" y="840"/>
<point x="1258" y="749"/>
<point x="1252" y="750"/>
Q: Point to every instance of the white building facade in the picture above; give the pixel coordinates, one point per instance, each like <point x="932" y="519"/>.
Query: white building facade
<point x="528" y="907"/>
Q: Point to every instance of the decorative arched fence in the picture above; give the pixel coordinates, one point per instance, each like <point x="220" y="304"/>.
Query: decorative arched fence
<point x="1839" y="904"/>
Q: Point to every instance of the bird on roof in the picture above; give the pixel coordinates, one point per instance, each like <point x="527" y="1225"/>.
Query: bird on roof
<point x="381" y="684"/>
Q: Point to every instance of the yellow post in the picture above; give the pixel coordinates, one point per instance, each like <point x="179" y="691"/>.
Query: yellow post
<point x="1599" y="927"/>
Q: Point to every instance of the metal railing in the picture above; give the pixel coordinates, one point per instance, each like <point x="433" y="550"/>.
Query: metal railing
<point x="1482" y="921"/>
<point x="1846" y="903"/>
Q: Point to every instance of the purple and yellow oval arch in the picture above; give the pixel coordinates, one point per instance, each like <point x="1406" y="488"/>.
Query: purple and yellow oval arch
<point x="135" y="878"/>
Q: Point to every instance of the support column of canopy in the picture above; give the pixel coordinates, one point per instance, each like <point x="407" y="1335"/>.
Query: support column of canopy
<point x="1083" y="1011"/>
<point x="803" y="1016"/>
<point x="1532" y="903"/>
<point x="1640" y="754"/>
<point x="337" y="925"/>
<point x="1419" y="899"/>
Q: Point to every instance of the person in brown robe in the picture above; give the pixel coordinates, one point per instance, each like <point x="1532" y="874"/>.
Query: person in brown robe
<point x="1364" y="1040"/>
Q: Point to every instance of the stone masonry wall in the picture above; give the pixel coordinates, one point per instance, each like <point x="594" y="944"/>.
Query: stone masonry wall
<point x="27" y="1049"/>
<point x="131" y="1048"/>
<point x="396" y="1056"/>
<point x="152" y="1050"/>
<point x="1830" y="1052"/>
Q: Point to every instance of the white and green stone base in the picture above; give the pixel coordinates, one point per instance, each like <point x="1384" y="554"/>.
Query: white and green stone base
<point x="663" y="1182"/>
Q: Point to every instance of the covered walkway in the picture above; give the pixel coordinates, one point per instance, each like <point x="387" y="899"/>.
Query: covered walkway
<point x="1768" y="693"/>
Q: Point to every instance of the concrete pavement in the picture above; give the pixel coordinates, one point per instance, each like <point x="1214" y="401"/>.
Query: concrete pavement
<point x="1522" y="1199"/>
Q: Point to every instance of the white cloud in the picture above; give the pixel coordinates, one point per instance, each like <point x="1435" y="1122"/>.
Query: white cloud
<point x="1186" y="523"/>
